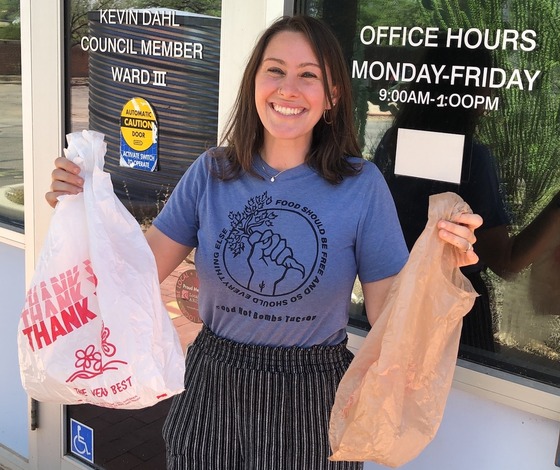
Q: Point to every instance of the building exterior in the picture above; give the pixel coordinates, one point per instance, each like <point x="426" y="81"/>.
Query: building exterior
<point x="504" y="407"/>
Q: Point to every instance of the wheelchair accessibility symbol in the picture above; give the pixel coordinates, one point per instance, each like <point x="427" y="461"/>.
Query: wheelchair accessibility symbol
<point x="81" y="440"/>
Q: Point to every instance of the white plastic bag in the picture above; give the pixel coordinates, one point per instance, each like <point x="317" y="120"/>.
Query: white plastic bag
<point x="94" y="328"/>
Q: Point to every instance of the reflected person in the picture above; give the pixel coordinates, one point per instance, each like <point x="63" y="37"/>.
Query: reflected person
<point x="498" y="250"/>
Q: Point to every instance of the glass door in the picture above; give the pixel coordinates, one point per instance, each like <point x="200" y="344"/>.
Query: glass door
<point x="122" y="55"/>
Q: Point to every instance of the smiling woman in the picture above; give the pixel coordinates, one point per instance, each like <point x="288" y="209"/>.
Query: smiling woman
<point x="314" y="72"/>
<point x="281" y="216"/>
<point x="290" y="98"/>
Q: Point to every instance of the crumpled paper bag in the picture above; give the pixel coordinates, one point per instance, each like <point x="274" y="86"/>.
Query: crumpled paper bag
<point x="390" y="402"/>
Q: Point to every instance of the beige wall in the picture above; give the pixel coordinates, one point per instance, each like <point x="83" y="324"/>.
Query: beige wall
<point x="242" y="23"/>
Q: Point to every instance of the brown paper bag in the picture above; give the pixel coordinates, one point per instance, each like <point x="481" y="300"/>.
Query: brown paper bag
<point x="390" y="402"/>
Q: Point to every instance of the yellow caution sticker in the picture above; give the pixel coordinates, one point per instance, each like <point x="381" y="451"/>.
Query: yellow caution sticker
<point x="139" y="135"/>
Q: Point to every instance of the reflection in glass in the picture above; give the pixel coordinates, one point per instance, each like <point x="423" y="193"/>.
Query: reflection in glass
<point x="508" y="114"/>
<point x="479" y="185"/>
<point x="11" y="140"/>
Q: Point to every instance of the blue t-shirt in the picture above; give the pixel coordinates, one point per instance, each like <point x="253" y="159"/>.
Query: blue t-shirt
<point x="277" y="260"/>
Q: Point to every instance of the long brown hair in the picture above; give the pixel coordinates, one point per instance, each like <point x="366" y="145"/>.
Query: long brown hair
<point x="332" y="141"/>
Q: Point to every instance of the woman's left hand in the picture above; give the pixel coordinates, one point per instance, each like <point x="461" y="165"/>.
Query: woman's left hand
<point x="460" y="233"/>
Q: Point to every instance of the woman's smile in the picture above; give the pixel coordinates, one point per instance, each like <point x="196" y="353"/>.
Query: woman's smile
<point x="286" y="111"/>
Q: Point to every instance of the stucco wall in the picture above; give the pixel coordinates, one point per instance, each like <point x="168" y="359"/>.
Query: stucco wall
<point x="13" y="405"/>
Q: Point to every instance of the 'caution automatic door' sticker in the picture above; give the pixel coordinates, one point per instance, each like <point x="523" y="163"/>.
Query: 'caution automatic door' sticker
<point x="139" y="135"/>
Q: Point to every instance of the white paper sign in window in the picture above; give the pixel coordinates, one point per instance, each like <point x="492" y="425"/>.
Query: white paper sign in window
<point x="431" y="155"/>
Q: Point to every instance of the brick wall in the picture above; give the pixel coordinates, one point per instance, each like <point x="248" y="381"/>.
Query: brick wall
<point x="78" y="62"/>
<point x="10" y="57"/>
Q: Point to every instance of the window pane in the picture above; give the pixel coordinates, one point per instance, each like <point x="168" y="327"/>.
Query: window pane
<point x="11" y="146"/>
<point x="486" y="73"/>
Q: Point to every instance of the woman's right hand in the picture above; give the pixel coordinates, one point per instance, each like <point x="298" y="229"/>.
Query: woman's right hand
<point x="65" y="180"/>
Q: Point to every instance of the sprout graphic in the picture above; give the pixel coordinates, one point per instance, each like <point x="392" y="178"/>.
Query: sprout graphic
<point x="268" y="251"/>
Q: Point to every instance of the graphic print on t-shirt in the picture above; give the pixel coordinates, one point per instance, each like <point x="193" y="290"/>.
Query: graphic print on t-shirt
<point x="274" y="252"/>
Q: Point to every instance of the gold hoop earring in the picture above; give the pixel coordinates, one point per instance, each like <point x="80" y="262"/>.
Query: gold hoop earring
<point x="327" y="122"/>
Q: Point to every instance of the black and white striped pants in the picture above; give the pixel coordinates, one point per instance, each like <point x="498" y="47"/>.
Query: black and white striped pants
<point x="250" y="407"/>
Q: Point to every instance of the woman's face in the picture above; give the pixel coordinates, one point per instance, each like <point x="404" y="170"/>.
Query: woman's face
<point x="289" y="93"/>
